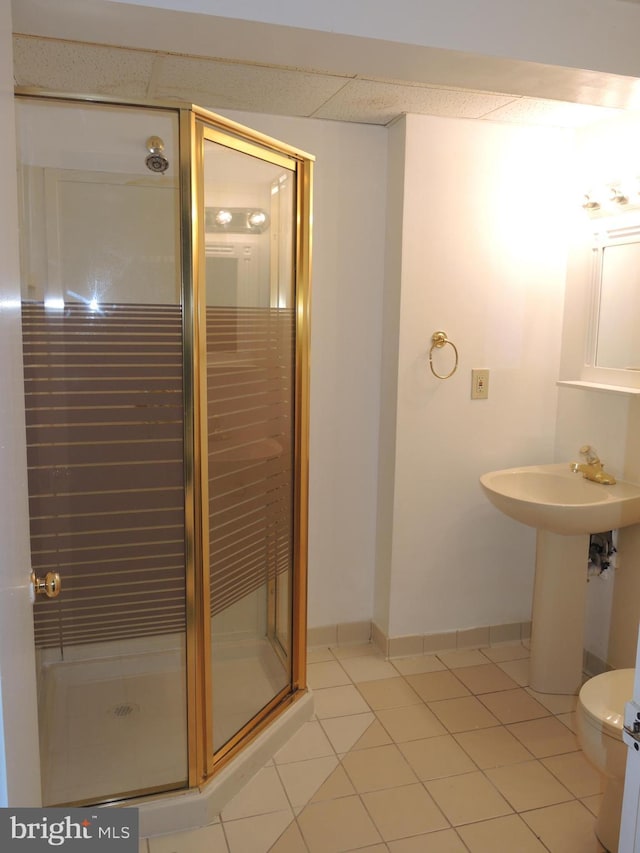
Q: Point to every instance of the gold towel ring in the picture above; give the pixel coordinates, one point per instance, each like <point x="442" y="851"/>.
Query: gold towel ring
<point x="438" y="340"/>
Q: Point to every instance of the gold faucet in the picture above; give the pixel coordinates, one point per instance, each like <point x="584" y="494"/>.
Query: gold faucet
<point x="592" y="468"/>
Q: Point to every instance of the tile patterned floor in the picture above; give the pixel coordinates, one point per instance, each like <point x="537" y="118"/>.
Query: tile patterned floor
<point x="448" y="753"/>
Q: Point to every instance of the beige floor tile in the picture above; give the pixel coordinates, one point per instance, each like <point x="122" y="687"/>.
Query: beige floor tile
<point x="593" y="803"/>
<point x="462" y="657"/>
<point x="411" y="723"/>
<point x="309" y="741"/>
<point x="143" y="847"/>
<point x="337" y="825"/>
<point x="464" y="714"/>
<point x="337" y="785"/>
<point x="420" y="663"/>
<point x="545" y="737"/>
<point x="518" y="670"/>
<point x="375" y="735"/>
<point x="344" y="732"/>
<point x="501" y="835"/>
<point x="467" y="798"/>
<point x="378" y="768"/>
<point x="316" y="654"/>
<point x="263" y="793"/>
<point x="495" y="747"/>
<point x="436" y="757"/>
<point x="388" y="693"/>
<point x="575" y="773"/>
<point x="326" y="674"/>
<point x="291" y="841"/>
<point x="569" y="720"/>
<point x="302" y="779"/>
<point x="405" y="811"/>
<point x="357" y="651"/>
<point x="338" y="702"/>
<point x="566" y="828"/>
<point x="256" y="834"/>
<point x="513" y="706"/>
<point x="485" y="678"/>
<point x="210" y="838"/>
<point x="433" y="686"/>
<point x="528" y="786"/>
<point x="374" y="848"/>
<point x="368" y="668"/>
<point x="445" y="841"/>
<point x="556" y="703"/>
<point x="509" y="651"/>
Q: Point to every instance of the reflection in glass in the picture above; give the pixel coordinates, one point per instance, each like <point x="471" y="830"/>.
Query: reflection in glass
<point x="102" y="340"/>
<point x="250" y="388"/>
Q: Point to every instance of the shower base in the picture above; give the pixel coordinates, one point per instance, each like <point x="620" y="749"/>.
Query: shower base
<point x="113" y="717"/>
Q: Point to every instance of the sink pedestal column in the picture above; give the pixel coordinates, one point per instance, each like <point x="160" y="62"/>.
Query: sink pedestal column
<point x="559" y="600"/>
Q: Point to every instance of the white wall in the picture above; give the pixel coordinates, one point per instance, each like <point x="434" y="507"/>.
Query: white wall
<point x="346" y="318"/>
<point x="483" y="258"/>
<point x="19" y="763"/>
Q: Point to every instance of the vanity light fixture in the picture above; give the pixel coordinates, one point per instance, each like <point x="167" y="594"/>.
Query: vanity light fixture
<point x="235" y="220"/>
<point x="223" y="217"/>
<point x="617" y="195"/>
<point x="590" y="203"/>
<point x="610" y="198"/>
<point x="256" y="218"/>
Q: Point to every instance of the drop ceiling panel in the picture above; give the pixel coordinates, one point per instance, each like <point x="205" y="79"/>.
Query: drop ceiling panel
<point x="377" y="102"/>
<point x="243" y="87"/>
<point x="62" y="66"/>
<point x="551" y="113"/>
<point x="140" y="74"/>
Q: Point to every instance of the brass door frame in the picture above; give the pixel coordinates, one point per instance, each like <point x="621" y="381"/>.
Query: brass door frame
<point x="192" y="123"/>
<point x="233" y="136"/>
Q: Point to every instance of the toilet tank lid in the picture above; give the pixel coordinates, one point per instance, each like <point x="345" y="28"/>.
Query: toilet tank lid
<point x="604" y="696"/>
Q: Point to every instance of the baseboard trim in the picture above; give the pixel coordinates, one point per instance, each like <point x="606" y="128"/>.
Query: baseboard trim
<point x="352" y="633"/>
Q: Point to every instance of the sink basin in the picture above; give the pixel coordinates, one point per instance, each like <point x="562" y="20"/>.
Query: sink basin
<point x="552" y="497"/>
<point x="565" y="508"/>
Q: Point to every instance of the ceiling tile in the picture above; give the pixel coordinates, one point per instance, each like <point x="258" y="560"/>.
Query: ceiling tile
<point x="63" y="66"/>
<point x="551" y="113"/>
<point x="377" y="102"/>
<point x="214" y="84"/>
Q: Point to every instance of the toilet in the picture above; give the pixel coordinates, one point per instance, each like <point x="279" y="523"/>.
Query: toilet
<point x="600" y="717"/>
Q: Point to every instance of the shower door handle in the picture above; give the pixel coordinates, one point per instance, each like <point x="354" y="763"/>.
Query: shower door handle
<point x="50" y="585"/>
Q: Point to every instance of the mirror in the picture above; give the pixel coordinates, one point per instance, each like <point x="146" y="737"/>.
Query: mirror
<point x="616" y="291"/>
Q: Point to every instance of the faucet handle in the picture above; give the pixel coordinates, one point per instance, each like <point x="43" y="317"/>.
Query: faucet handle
<point x="590" y="454"/>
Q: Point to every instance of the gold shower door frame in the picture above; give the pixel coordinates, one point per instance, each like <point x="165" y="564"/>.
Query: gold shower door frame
<point x="196" y="127"/>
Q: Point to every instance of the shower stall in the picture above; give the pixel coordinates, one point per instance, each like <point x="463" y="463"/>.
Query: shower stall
<point x="165" y="259"/>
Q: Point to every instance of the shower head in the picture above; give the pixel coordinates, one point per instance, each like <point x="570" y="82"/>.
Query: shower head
<point x="155" y="160"/>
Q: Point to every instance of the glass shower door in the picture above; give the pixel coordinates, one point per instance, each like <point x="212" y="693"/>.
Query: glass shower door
<point x="102" y="340"/>
<point x="248" y="261"/>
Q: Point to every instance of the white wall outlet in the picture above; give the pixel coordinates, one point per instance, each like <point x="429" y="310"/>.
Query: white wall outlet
<point x="479" y="384"/>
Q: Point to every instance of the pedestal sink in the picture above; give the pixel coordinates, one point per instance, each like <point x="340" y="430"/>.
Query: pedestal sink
<point x="565" y="508"/>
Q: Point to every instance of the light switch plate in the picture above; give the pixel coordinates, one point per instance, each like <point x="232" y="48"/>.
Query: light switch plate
<point x="479" y="384"/>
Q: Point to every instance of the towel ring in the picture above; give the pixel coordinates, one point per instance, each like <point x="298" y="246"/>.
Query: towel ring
<point x="438" y="340"/>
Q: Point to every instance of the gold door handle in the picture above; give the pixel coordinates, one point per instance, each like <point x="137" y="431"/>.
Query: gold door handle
<point x="50" y="585"/>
